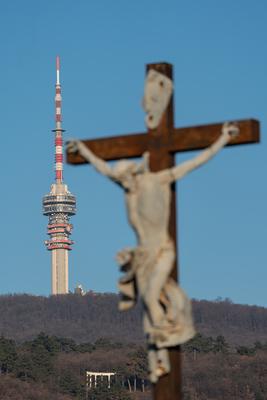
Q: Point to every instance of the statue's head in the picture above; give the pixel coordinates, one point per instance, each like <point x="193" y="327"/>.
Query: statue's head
<point x="158" y="91"/>
<point x="125" y="170"/>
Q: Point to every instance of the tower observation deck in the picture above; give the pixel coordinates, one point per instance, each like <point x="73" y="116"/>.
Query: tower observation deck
<point x="59" y="205"/>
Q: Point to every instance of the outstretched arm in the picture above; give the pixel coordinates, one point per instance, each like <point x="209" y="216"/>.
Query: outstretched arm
<point x="100" y="165"/>
<point x="229" y="130"/>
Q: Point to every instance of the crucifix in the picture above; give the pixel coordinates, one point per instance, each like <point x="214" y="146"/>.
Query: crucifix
<point x="161" y="142"/>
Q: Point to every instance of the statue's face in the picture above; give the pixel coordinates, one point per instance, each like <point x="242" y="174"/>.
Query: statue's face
<point x="158" y="90"/>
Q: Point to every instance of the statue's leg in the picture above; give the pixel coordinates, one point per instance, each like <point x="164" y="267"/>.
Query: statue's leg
<point x="157" y="280"/>
<point x="176" y="301"/>
<point x="179" y="315"/>
<point x="158" y="359"/>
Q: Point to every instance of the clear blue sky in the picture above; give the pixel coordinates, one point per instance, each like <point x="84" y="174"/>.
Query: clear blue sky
<point x="218" y="49"/>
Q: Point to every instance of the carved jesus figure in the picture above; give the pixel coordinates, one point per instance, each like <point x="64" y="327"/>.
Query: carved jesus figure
<point x="147" y="267"/>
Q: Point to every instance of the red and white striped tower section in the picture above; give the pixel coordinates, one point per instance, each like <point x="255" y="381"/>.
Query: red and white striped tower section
<point x="59" y="205"/>
<point x="58" y="131"/>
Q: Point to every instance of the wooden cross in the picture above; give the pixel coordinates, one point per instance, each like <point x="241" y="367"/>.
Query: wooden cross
<point x="162" y="144"/>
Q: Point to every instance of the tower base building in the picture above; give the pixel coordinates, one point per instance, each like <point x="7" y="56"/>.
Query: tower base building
<point x="59" y="205"/>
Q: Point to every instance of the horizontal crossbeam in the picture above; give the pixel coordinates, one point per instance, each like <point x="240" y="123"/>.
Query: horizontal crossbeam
<point x="199" y="137"/>
<point x="180" y="140"/>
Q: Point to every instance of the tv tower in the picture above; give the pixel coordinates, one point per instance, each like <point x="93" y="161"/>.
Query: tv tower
<point x="59" y="205"/>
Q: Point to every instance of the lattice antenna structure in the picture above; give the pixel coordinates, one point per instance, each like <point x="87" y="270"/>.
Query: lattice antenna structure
<point x="59" y="205"/>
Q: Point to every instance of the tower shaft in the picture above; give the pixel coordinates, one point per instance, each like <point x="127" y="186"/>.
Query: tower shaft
<point x="60" y="271"/>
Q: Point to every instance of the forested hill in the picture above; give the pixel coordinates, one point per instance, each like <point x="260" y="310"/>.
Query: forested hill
<point x="93" y="316"/>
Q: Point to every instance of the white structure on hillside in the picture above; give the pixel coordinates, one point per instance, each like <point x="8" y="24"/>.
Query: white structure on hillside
<point x="91" y="378"/>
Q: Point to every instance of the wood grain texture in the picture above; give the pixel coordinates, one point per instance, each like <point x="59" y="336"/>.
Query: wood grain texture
<point x="114" y="148"/>
<point x="171" y="140"/>
<point x="199" y="137"/>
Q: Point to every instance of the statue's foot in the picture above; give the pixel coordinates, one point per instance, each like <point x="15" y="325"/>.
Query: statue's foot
<point x="159" y="363"/>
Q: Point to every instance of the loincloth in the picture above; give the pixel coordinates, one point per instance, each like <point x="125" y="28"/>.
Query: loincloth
<point x="177" y="325"/>
<point x="142" y="263"/>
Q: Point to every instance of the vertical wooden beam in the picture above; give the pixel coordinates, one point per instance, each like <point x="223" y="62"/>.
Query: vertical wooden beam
<point x="169" y="386"/>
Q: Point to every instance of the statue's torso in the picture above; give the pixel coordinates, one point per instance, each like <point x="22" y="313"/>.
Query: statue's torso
<point x="148" y="205"/>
